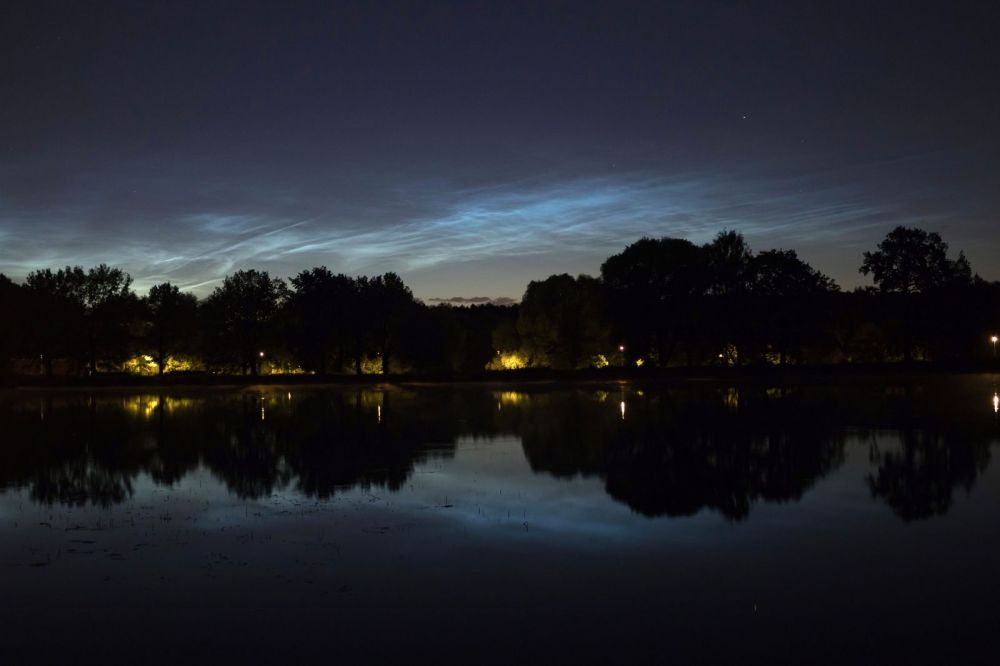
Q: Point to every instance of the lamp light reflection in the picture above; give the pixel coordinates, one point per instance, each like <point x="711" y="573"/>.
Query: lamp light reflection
<point x="623" y="409"/>
<point x="996" y="403"/>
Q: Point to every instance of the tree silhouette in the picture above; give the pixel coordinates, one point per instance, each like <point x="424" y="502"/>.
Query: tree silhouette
<point x="912" y="261"/>
<point x="389" y="307"/>
<point x="109" y="307"/>
<point x="652" y="286"/>
<point x="786" y="292"/>
<point x="656" y="301"/>
<point x="244" y="311"/>
<point x="324" y="319"/>
<point x="11" y="310"/>
<point x="561" y="323"/>
<point x="172" y="316"/>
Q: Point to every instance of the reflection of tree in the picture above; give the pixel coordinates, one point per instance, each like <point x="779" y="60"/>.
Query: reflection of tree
<point x="918" y="481"/>
<point x="341" y="444"/>
<point x="680" y="452"/>
<point x="79" y="450"/>
<point x="72" y="452"/>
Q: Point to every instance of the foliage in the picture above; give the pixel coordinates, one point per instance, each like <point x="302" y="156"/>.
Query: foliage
<point x="657" y="302"/>
<point x="912" y="261"/>
<point x="171" y="316"/>
<point x="561" y="322"/>
<point x="244" y="312"/>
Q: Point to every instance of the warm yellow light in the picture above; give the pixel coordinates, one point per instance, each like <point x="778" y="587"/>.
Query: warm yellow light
<point x="994" y="339"/>
<point x="622" y="406"/>
<point x="996" y="403"/>
<point x="621" y="347"/>
<point x="507" y="361"/>
<point x="512" y="397"/>
<point x="262" y="354"/>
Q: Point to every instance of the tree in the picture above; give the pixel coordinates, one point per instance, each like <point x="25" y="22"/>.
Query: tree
<point x="911" y="260"/>
<point x="729" y="264"/>
<point x="244" y="311"/>
<point x="54" y="311"/>
<point x="109" y="307"/>
<point x="81" y="314"/>
<point x="172" y="317"/>
<point x="324" y="318"/>
<point x="650" y="287"/>
<point x="561" y="321"/>
<point x="389" y="305"/>
<point x="10" y="313"/>
<point x="909" y="266"/>
<point x="787" y="304"/>
<point x="781" y="273"/>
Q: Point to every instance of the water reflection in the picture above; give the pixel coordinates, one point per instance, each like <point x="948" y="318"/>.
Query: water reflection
<point x="679" y="451"/>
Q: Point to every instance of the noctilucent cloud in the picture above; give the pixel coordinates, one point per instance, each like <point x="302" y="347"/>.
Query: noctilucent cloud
<point x="472" y="147"/>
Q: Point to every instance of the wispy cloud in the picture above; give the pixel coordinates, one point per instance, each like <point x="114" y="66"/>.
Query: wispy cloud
<point x="438" y="232"/>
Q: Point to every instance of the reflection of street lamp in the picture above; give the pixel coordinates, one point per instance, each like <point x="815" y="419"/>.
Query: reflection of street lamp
<point x="994" y="339"/>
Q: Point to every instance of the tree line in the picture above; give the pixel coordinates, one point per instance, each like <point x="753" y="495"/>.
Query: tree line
<point x="659" y="302"/>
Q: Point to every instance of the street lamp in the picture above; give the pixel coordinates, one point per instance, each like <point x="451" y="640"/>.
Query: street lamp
<point x="994" y="339"/>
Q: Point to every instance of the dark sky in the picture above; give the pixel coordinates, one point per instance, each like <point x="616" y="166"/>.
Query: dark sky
<point x="473" y="146"/>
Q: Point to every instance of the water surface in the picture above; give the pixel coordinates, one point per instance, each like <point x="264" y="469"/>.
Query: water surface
<point x="590" y="524"/>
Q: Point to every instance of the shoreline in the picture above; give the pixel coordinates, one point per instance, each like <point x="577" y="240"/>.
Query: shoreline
<point x="536" y="378"/>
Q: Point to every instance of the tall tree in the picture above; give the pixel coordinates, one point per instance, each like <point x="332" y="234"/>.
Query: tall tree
<point x="561" y="321"/>
<point x="244" y="310"/>
<point x="81" y="314"/>
<point x="54" y="315"/>
<point x="910" y="266"/>
<point x="323" y="319"/>
<point x="781" y="273"/>
<point x="389" y="305"/>
<point x="10" y="313"/>
<point x="172" y="316"/>
<point x="110" y="307"/>
<point x="788" y="302"/>
<point x="910" y="260"/>
<point x="650" y="286"/>
<point x="729" y="264"/>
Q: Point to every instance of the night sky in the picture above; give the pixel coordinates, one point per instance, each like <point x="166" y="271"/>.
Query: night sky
<point x="472" y="147"/>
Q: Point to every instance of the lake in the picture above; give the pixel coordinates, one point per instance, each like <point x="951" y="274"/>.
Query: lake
<point x="590" y="524"/>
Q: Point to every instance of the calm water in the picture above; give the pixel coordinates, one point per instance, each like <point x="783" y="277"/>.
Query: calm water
<point x="696" y="524"/>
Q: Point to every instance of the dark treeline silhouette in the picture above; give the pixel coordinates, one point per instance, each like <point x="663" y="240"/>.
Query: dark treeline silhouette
<point x="658" y="303"/>
<point x="663" y="453"/>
